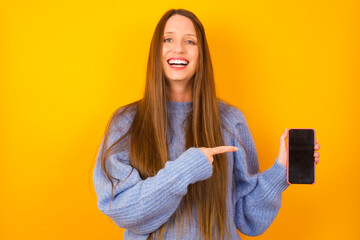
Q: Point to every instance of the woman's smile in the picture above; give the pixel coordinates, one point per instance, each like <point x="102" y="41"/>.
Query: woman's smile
<point x="178" y="63"/>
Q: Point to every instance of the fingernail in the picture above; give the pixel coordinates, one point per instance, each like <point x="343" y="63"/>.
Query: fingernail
<point x="235" y="148"/>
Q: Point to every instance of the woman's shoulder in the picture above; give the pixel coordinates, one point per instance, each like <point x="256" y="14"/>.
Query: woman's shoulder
<point x="124" y="115"/>
<point x="230" y="113"/>
<point x="128" y="111"/>
<point x="233" y="121"/>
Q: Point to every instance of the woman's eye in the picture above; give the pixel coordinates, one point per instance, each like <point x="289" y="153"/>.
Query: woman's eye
<point x="190" y="42"/>
<point x="167" y="40"/>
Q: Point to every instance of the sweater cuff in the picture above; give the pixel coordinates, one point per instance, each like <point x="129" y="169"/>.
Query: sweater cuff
<point x="191" y="166"/>
<point x="276" y="178"/>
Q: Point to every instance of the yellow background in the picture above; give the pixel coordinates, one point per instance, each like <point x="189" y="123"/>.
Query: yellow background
<point x="65" y="66"/>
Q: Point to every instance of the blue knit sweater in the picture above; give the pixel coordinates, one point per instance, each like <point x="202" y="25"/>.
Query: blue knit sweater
<point x="142" y="206"/>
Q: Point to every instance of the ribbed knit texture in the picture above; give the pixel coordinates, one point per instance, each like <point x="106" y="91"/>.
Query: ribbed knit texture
<point x="142" y="206"/>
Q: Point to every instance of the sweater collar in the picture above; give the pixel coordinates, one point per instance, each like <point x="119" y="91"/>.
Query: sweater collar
<point x="179" y="106"/>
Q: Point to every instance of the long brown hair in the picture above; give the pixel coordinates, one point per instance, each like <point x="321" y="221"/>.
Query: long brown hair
<point x="149" y="130"/>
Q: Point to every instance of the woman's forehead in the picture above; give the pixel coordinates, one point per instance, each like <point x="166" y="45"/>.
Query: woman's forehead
<point x="179" y="24"/>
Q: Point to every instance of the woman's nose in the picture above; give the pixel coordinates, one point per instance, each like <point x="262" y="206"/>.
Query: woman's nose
<point x="179" y="46"/>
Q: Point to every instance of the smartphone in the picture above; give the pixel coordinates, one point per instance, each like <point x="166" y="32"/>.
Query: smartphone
<point x="301" y="160"/>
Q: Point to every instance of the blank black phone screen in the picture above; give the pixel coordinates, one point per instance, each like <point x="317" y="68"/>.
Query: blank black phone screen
<point x="301" y="165"/>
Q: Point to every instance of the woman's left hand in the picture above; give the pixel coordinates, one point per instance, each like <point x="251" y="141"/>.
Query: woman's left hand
<point x="283" y="153"/>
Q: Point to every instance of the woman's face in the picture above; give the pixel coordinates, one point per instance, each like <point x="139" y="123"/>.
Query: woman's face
<point x="180" y="50"/>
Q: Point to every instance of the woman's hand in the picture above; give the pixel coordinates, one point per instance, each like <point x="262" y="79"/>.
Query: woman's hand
<point x="283" y="153"/>
<point x="210" y="152"/>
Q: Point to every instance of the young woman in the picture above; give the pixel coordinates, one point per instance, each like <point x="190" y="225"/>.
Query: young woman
<point x="181" y="163"/>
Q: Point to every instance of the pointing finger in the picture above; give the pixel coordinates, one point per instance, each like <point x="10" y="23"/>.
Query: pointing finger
<point x="223" y="149"/>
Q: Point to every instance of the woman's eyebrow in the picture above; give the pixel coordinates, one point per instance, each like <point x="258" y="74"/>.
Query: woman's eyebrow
<point x="185" y="34"/>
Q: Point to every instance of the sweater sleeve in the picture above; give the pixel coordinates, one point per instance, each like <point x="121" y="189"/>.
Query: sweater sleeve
<point x="142" y="206"/>
<point x="257" y="195"/>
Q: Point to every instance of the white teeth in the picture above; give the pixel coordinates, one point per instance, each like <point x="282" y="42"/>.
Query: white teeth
<point x="177" y="61"/>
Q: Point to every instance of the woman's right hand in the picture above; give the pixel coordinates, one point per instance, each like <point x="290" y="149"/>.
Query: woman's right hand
<point x="210" y="152"/>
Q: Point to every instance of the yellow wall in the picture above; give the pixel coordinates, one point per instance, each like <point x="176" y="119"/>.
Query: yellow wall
<point x="65" y="66"/>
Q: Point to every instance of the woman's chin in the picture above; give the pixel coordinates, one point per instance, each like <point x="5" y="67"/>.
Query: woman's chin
<point x="177" y="79"/>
